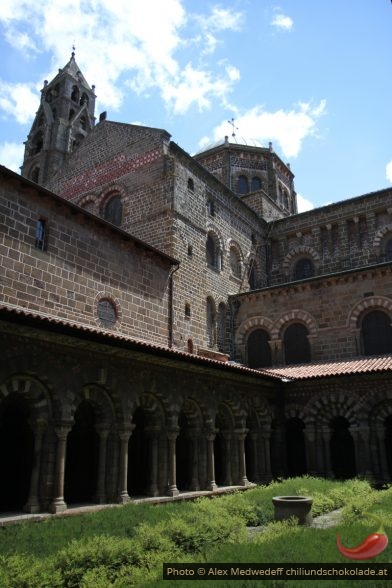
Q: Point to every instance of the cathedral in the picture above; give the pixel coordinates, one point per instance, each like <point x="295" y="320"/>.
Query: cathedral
<point x="170" y="323"/>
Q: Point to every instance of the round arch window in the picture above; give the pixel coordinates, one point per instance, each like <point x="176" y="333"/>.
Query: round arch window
<point x="107" y="313"/>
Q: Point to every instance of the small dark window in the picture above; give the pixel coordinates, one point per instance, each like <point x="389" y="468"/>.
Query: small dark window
<point x="303" y="269"/>
<point x="296" y="344"/>
<point x="84" y="100"/>
<point x="376" y="333"/>
<point x="190" y="346"/>
<point x="107" y="312"/>
<point x="187" y="309"/>
<point x="388" y="250"/>
<point x="40" y="234"/>
<point x="258" y="349"/>
<point x="75" y="94"/>
<point x="190" y="250"/>
<point x="191" y="185"/>
<point x="211" y="322"/>
<point x="71" y="114"/>
<point x="38" y="143"/>
<point x="34" y="175"/>
<point x="235" y="262"/>
<point x="243" y="185"/>
<point x="113" y="210"/>
<point x="252" y="275"/>
<point x="255" y="184"/>
<point x="211" y="207"/>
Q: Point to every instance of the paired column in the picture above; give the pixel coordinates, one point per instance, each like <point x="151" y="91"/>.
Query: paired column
<point x="211" y="484"/>
<point x="152" y="434"/>
<point x="32" y="505"/>
<point x="103" y="430"/>
<point x="241" y="435"/>
<point x="172" y="435"/>
<point x="61" y="430"/>
<point x="124" y="434"/>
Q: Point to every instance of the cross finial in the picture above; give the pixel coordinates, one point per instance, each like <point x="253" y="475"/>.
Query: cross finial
<point x="233" y="127"/>
<point x="73" y="49"/>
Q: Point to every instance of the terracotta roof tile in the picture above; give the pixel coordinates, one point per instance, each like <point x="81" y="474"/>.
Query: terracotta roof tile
<point x="322" y="369"/>
<point x="45" y="320"/>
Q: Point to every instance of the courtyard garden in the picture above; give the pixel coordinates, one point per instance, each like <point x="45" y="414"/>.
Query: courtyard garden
<point x="125" y="547"/>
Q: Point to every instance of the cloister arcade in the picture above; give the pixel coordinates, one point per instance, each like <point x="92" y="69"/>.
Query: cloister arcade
<point x="94" y="446"/>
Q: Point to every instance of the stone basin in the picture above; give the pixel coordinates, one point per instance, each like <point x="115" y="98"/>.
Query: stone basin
<point x="297" y="506"/>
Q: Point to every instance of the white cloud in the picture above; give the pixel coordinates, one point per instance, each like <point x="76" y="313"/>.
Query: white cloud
<point x="388" y="171"/>
<point x="303" y="204"/>
<point x="288" y="128"/>
<point x="11" y="155"/>
<point x="281" y="21"/>
<point x="18" y="100"/>
<point x="120" y="39"/>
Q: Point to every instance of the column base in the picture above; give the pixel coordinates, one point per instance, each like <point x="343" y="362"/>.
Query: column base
<point x="58" y="505"/>
<point x="212" y="487"/>
<point x="173" y="491"/>
<point x="123" y="498"/>
<point x="32" y="507"/>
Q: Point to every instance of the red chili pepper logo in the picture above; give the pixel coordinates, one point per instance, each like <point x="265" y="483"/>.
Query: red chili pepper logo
<point x="370" y="547"/>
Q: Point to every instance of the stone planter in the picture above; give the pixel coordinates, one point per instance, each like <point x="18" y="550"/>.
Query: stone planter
<point x="298" y="506"/>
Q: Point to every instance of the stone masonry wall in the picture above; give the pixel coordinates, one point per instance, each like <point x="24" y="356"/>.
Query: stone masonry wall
<point x="338" y="237"/>
<point x="330" y="308"/>
<point x="84" y="260"/>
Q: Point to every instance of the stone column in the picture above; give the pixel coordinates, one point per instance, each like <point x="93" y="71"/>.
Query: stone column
<point x="194" y="437"/>
<point x="241" y="434"/>
<point x="382" y="454"/>
<point x="152" y="434"/>
<point x="211" y="484"/>
<point x="254" y="436"/>
<point x="103" y="430"/>
<point x="124" y="434"/>
<point x="32" y="505"/>
<point x="226" y="436"/>
<point x="310" y="451"/>
<point x="172" y="436"/>
<point x="326" y="441"/>
<point x="61" y="430"/>
<point x="266" y="453"/>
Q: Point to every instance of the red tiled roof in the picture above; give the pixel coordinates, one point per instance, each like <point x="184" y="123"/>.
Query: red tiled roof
<point x="362" y="365"/>
<point x="11" y="312"/>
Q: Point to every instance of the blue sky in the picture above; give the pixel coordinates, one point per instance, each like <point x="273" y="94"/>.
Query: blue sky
<point x="313" y="77"/>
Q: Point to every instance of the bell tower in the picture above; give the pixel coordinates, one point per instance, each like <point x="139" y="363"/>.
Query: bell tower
<point x="65" y="116"/>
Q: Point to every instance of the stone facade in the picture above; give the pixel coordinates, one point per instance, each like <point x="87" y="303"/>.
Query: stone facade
<point x="170" y="323"/>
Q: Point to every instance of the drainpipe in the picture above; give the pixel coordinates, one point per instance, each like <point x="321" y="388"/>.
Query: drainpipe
<point x="170" y="303"/>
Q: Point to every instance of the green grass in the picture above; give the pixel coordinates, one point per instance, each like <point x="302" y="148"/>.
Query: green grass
<point x="125" y="547"/>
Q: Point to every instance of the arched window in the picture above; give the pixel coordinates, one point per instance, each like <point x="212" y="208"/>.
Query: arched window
<point x="376" y="333"/>
<point x="211" y="322"/>
<point x="243" y="185"/>
<point x="113" y="210"/>
<point x="258" y="349"/>
<point x="75" y="94"/>
<point x="235" y="262"/>
<point x="303" y="269"/>
<point x="296" y="344"/>
<point x="256" y="184"/>
<point x="107" y="313"/>
<point x="84" y="99"/>
<point x="38" y="143"/>
<point x="388" y="250"/>
<point x="252" y="275"/>
<point x="213" y="253"/>
<point x="221" y="326"/>
<point x="34" y="174"/>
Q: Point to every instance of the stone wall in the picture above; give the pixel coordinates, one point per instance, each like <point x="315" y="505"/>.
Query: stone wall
<point x="81" y="262"/>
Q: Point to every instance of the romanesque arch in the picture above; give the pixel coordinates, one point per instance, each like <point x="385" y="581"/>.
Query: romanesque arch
<point x="190" y="446"/>
<point x="86" y="474"/>
<point x="371" y="320"/>
<point x="295" y="441"/>
<point x="25" y="413"/>
<point x="297" y="253"/>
